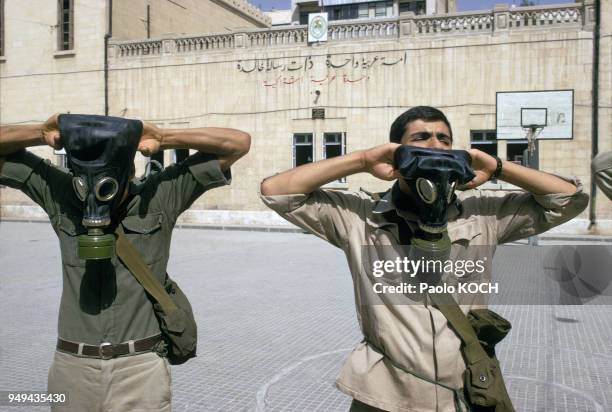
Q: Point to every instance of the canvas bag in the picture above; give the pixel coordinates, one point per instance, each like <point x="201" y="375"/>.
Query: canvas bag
<point x="172" y="308"/>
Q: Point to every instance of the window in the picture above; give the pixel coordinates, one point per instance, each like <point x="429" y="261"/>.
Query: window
<point x="304" y="17"/>
<point x="515" y="150"/>
<point x="344" y="12"/>
<point x="485" y="140"/>
<point x="381" y="9"/>
<point x="334" y="145"/>
<point x="1" y="27"/>
<point x="180" y="155"/>
<point x="417" y="7"/>
<point x="302" y="149"/>
<point x="65" y="24"/>
<point x="352" y="11"/>
<point x="363" y="12"/>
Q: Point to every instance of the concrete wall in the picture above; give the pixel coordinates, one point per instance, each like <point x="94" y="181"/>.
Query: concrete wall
<point x="179" y="17"/>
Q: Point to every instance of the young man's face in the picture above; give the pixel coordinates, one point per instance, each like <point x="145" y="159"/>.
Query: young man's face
<point x="432" y="135"/>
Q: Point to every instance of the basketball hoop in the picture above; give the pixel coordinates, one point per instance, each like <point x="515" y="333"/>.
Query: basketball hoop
<point x="533" y="131"/>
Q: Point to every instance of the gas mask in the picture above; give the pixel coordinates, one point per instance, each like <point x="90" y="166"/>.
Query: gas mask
<point x="432" y="176"/>
<point x="100" y="152"/>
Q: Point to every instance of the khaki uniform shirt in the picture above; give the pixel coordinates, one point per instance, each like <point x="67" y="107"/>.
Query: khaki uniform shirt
<point x="101" y="300"/>
<point x="416" y="336"/>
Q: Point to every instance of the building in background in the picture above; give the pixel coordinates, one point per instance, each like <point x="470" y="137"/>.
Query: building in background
<point x="367" y="9"/>
<point x="302" y="101"/>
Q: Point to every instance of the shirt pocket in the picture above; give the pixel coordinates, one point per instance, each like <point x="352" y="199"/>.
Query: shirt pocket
<point x="147" y="235"/>
<point x="471" y="255"/>
<point x="70" y="228"/>
<point x="465" y="233"/>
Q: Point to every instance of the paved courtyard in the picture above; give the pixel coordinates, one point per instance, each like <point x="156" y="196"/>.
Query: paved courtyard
<point x="276" y="319"/>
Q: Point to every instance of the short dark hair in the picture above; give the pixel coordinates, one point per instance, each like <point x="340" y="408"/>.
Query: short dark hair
<point x="426" y="113"/>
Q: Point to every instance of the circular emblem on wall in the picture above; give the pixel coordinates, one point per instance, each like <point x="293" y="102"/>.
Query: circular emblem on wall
<point x="318" y="28"/>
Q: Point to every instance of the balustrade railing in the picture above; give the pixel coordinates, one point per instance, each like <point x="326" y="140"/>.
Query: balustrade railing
<point x="143" y="48"/>
<point x="557" y="17"/>
<point x="407" y="25"/>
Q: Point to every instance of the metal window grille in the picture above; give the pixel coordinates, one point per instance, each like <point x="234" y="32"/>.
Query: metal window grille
<point x="65" y="24"/>
<point x="334" y="144"/>
<point x="303" y="149"/>
<point x="485" y="140"/>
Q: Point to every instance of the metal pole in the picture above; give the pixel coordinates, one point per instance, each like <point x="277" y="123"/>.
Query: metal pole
<point x="533" y="163"/>
<point x="595" y="111"/>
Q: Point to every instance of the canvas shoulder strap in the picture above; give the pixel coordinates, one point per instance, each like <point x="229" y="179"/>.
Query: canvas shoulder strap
<point x="460" y="324"/>
<point x="448" y="306"/>
<point x="131" y="258"/>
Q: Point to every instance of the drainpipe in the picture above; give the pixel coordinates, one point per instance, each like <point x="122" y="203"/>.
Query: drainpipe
<point x="148" y="21"/>
<point x="595" y="110"/>
<point x="107" y="36"/>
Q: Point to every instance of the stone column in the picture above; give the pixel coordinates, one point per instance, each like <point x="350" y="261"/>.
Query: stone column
<point x="406" y="24"/>
<point x="588" y="14"/>
<point x="168" y="46"/>
<point x="240" y="41"/>
<point x="501" y="18"/>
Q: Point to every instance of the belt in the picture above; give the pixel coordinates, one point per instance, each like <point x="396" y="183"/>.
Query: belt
<point x="108" y="350"/>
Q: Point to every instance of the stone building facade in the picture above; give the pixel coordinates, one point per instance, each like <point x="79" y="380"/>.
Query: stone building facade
<point x="302" y="101"/>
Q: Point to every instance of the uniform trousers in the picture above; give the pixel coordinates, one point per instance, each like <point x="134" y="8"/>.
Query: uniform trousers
<point x="136" y="383"/>
<point x="357" y="406"/>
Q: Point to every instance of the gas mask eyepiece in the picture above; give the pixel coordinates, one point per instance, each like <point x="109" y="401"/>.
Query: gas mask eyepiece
<point x="432" y="176"/>
<point x="80" y="187"/>
<point x="106" y="188"/>
<point x="100" y="152"/>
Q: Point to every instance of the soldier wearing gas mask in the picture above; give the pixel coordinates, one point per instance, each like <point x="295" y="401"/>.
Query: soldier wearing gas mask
<point x="410" y="358"/>
<point x="109" y="354"/>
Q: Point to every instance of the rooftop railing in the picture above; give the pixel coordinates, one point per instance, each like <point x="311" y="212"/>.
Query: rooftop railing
<point x="500" y="19"/>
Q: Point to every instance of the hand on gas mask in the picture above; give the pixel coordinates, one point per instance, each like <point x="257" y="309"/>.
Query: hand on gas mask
<point x="50" y="132"/>
<point x="483" y="165"/>
<point x="151" y="139"/>
<point x="378" y="161"/>
<point x="431" y="176"/>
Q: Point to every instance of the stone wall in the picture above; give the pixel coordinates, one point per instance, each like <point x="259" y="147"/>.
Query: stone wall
<point x="36" y="79"/>
<point x="183" y="17"/>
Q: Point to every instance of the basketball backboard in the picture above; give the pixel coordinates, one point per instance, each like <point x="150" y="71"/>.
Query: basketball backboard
<point x="552" y="112"/>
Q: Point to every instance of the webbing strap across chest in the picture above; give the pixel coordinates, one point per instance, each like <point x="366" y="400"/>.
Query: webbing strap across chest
<point x="446" y="304"/>
<point x="131" y="258"/>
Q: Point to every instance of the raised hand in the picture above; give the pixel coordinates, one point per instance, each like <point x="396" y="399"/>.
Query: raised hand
<point x="151" y="139"/>
<point x="50" y="132"/>
<point x="378" y="161"/>
<point x="483" y="165"/>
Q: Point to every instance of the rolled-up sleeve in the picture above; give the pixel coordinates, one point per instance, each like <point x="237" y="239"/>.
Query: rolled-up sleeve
<point x="37" y="178"/>
<point x="601" y="166"/>
<point x="181" y="184"/>
<point x="18" y="167"/>
<point x="329" y="214"/>
<point x="519" y="215"/>
<point x="205" y="168"/>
